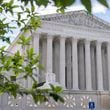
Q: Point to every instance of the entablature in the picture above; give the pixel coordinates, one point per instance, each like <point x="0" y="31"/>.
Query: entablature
<point x="79" y="32"/>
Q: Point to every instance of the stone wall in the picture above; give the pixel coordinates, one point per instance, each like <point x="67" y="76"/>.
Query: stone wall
<point x="73" y="100"/>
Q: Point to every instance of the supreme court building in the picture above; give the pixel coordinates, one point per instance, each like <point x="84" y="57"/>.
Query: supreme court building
<point x="75" y="46"/>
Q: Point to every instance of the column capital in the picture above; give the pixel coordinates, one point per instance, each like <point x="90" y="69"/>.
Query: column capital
<point x="63" y="38"/>
<point x="50" y="36"/>
<point x="36" y="34"/>
<point x="108" y="43"/>
<point x="75" y="39"/>
<point x="87" y="41"/>
<point x="99" y="42"/>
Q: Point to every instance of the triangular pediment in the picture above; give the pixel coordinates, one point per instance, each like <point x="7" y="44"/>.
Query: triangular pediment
<point x="80" y="18"/>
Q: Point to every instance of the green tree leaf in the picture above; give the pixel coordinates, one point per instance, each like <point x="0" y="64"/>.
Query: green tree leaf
<point x="87" y="4"/>
<point x="104" y="2"/>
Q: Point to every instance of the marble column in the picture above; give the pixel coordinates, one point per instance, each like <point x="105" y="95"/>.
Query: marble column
<point x="99" y="66"/>
<point x="36" y="38"/>
<point x="56" y="58"/>
<point x="68" y="58"/>
<point x="75" y="64"/>
<point x="108" y="62"/>
<point x="81" y="65"/>
<point x="49" y="53"/>
<point x="43" y="59"/>
<point x="93" y="67"/>
<point x="88" y="65"/>
<point x="62" y="61"/>
<point x="36" y="42"/>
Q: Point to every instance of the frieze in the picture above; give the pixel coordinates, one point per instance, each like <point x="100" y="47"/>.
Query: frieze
<point x="74" y="31"/>
<point x="80" y="18"/>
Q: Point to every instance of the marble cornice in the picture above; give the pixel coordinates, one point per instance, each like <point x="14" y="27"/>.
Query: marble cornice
<point x="87" y="92"/>
<point x="52" y="25"/>
<point x="74" y="31"/>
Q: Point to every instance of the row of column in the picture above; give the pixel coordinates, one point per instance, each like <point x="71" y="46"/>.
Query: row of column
<point x="75" y="61"/>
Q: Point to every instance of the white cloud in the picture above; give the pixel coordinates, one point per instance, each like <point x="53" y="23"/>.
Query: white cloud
<point x="51" y="9"/>
<point x="76" y="7"/>
<point x="98" y="8"/>
<point x="48" y="10"/>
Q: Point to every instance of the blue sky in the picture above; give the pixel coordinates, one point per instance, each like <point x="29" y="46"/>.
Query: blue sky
<point x="101" y="11"/>
<point x="105" y="16"/>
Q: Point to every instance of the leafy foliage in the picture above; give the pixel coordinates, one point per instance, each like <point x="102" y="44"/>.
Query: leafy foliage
<point x="16" y="67"/>
<point x="104" y="2"/>
<point x="87" y="4"/>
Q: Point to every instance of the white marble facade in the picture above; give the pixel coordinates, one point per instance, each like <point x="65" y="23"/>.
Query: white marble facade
<point x="79" y="64"/>
<point x="76" y="47"/>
